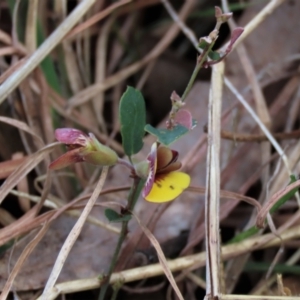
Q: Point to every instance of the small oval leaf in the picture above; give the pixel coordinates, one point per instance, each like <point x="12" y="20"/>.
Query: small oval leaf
<point x="214" y="55"/>
<point x="167" y="136"/>
<point x="113" y="216"/>
<point x="133" y="119"/>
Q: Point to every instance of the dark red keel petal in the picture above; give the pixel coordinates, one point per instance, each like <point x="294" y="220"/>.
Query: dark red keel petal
<point x="152" y="159"/>
<point x="67" y="159"/>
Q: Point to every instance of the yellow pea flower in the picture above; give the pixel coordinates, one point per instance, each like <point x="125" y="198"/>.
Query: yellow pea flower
<point x="164" y="183"/>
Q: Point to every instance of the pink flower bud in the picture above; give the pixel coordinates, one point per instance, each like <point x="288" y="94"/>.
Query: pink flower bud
<point x="82" y="148"/>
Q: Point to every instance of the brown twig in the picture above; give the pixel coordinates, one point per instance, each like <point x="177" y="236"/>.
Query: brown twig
<point x="239" y="137"/>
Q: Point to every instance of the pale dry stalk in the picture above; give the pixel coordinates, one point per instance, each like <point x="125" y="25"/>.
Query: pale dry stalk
<point x="212" y="195"/>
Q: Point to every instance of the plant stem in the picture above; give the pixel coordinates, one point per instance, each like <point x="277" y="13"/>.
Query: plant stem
<point x="191" y="82"/>
<point x="116" y="289"/>
<point x="126" y="163"/>
<point x="132" y="199"/>
<point x="201" y="59"/>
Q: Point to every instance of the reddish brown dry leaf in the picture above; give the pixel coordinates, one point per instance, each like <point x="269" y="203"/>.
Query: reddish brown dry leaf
<point x="7" y="167"/>
<point x="97" y="17"/>
<point x="30" y="163"/>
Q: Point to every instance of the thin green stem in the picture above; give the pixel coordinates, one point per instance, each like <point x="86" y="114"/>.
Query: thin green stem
<point x="125" y="163"/>
<point x="116" y="289"/>
<point x="200" y="61"/>
<point x="191" y="82"/>
<point x="132" y="199"/>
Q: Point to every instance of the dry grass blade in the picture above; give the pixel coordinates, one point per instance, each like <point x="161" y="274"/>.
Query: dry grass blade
<point x="100" y="69"/>
<point x="161" y="257"/>
<point x="7" y="167"/>
<point x="51" y="42"/>
<point x="97" y="17"/>
<point x="232" y="195"/>
<point x="30" y="35"/>
<point x="22" y="186"/>
<point x="212" y="196"/>
<point x="28" y="222"/>
<point x="23" y="225"/>
<point x="256" y="21"/>
<point x="5" y="38"/>
<point x="30" y="163"/>
<point x="194" y="261"/>
<point x="241" y="137"/>
<point x="266" y="208"/>
<point x="73" y="235"/>
<point x="6" y="218"/>
<point x="94" y="89"/>
<point x="48" y="203"/>
<point x="26" y="252"/>
<point x="261" y="107"/>
<point x="259" y="98"/>
<point x="8" y="51"/>
<point x="187" y="31"/>
<point x="12" y="69"/>
<point x="22" y="126"/>
<point x="96" y="222"/>
<point x="228" y="195"/>
<point x="260" y="124"/>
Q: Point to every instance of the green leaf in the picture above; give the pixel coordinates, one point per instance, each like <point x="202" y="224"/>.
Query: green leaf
<point x="278" y="268"/>
<point x="133" y="119"/>
<point x="214" y="55"/>
<point x="286" y="197"/>
<point x="113" y="216"/>
<point x="168" y="136"/>
<point x="47" y="64"/>
<point x="204" y="43"/>
<point x="244" y="235"/>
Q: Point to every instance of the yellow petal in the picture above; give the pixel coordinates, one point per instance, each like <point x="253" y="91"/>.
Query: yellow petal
<point x="168" y="186"/>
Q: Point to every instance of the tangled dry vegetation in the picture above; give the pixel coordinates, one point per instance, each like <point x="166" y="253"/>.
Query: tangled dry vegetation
<point x="67" y="64"/>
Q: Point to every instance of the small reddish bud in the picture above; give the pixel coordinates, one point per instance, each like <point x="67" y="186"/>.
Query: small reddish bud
<point x="220" y="16"/>
<point x="236" y="33"/>
<point x="82" y="148"/>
